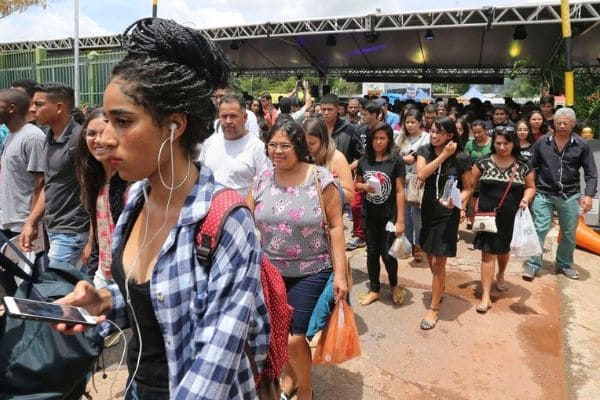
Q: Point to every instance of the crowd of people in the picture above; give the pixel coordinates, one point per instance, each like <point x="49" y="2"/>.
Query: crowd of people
<point x="121" y="193"/>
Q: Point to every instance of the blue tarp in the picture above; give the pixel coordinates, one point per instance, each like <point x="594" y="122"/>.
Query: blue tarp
<point x="422" y="95"/>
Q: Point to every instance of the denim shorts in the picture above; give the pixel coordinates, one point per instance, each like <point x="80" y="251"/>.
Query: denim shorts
<point x="303" y="294"/>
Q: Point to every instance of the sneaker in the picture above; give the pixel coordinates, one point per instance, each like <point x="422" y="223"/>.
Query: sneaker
<point x="569" y="272"/>
<point x="355" y="243"/>
<point x="528" y="273"/>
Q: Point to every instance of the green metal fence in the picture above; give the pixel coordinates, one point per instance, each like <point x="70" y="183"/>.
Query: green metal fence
<point x="94" y="70"/>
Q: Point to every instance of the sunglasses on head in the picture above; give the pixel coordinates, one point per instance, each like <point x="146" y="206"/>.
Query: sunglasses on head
<point x="501" y="129"/>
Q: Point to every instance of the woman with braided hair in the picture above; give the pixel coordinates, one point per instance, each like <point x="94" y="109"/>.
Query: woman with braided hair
<point x="190" y="321"/>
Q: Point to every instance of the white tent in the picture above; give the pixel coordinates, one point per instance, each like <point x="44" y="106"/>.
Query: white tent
<point x="472" y="92"/>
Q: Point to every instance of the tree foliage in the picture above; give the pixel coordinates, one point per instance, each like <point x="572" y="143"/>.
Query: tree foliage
<point x="457" y="89"/>
<point x="8" y="7"/>
<point x="256" y="85"/>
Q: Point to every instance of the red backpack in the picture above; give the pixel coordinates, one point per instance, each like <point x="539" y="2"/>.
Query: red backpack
<point x="280" y="312"/>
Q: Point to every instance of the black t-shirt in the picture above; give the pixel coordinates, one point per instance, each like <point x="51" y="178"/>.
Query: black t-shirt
<point x="384" y="205"/>
<point x="455" y="165"/>
<point x="493" y="185"/>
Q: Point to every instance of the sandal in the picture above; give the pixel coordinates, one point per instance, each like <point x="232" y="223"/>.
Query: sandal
<point x="285" y="396"/>
<point x="368" y="298"/>
<point x="481" y="309"/>
<point x="417" y="254"/>
<point x="427" y="324"/>
<point x="398" y="294"/>
<point x="501" y="287"/>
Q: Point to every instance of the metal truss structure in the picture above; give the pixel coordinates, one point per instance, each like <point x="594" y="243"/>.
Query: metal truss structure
<point x="580" y="12"/>
<point x="90" y="43"/>
<point x="409" y="71"/>
<point x="492" y="75"/>
<point x="584" y="13"/>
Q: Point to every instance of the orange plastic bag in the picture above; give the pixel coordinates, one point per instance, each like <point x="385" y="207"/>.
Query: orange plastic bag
<point x="339" y="341"/>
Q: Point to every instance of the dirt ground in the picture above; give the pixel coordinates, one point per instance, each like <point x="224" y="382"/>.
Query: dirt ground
<point x="540" y="340"/>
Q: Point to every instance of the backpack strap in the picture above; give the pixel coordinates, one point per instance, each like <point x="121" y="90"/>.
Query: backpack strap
<point x="223" y="203"/>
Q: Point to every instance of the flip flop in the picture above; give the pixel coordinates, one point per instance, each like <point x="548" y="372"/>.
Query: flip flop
<point x="285" y="396"/>
<point x="481" y="309"/>
<point x="398" y="298"/>
<point x="501" y="287"/>
<point x="362" y="300"/>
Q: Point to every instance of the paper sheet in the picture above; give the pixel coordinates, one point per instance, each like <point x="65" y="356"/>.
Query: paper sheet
<point x="455" y="195"/>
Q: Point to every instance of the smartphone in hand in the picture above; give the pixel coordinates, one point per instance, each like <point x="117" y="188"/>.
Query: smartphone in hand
<point x="48" y="312"/>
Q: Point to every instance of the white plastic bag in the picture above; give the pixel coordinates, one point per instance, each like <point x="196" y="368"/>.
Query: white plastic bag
<point x="525" y="242"/>
<point x="401" y="248"/>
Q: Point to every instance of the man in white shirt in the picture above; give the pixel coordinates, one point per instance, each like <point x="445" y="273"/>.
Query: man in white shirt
<point x="235" y="156"/>
<point x="251" y="122"/>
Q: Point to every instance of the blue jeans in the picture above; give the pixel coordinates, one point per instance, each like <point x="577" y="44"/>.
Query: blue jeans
<point x="66" y="247"/>
<point x="412" y="224"/>
<point x="568" y="212"/>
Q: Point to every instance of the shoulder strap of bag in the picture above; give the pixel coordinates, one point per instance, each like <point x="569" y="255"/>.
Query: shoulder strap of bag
<point x="327" y="231"/>
<point x="223" y="203"/>
<point x="512" y="178"/>
<point x="322" y="204"/>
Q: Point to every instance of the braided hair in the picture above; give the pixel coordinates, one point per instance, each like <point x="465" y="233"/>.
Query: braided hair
<point x="170" y="68"/>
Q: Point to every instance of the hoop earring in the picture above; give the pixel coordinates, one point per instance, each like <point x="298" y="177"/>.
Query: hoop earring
<point x="162" y="180"/>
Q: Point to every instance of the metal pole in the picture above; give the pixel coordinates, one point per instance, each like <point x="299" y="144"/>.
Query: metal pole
<point x="76" y="55"/>
<point x="566" y="34"/>
<point x="154" y="8"/>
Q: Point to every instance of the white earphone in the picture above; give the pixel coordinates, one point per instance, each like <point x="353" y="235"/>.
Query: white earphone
<point x="172" y="128"/>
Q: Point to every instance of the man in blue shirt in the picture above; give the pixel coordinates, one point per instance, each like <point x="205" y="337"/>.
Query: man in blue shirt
<point x="392" y="119"/>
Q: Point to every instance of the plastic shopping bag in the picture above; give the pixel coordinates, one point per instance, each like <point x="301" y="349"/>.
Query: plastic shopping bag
<point x="339" y="341"/>
<point x="525" y="242"/>
<point x="401" y="248"/>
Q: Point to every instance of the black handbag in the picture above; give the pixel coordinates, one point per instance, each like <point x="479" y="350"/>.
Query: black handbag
<point x="36" y="362"/>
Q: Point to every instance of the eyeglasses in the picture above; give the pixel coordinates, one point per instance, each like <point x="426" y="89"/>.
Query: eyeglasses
<point x="562" y="123"/>
<point x="285" y="147"/>
<point x="504" y="129"/>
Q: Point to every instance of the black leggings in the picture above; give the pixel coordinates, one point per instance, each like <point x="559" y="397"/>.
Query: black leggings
<point x="378" y="244"/>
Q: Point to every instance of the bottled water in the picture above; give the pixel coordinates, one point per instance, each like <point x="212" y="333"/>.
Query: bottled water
<point x="447" y="190"/>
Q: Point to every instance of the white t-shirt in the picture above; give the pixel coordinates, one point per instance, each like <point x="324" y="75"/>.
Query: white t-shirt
<point x="235" y="163"/>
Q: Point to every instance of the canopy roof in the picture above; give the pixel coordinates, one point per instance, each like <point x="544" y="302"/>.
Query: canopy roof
<point x="473" y="45"/>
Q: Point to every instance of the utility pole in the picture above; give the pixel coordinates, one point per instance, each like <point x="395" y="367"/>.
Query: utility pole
<point x="566" y="34"/>
<point x="76" y="54"/>
<point x="154" y="8"/>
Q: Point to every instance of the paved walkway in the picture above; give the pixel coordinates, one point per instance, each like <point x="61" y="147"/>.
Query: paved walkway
<point x="540" y="340"/>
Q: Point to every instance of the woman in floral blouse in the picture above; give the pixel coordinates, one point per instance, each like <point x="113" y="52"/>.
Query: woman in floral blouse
<point x="288" y="214"/>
